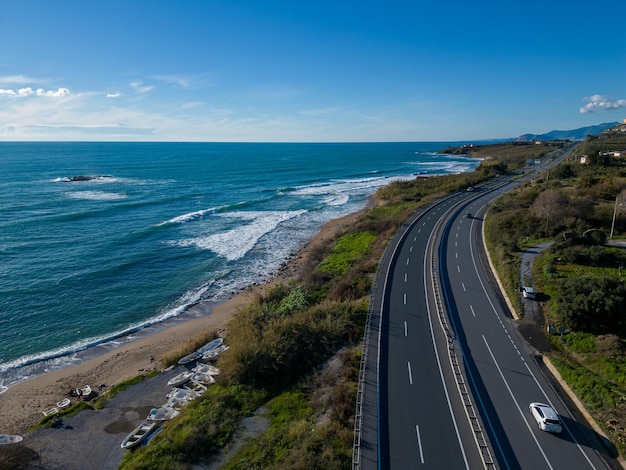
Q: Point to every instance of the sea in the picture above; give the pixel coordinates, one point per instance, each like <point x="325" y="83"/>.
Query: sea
<point x="101" y="243"/>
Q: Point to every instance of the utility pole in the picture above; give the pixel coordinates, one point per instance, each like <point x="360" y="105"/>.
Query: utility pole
<point x="614" y="215"/>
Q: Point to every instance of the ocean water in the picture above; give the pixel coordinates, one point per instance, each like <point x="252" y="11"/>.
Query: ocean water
<point x="162" y="227"/>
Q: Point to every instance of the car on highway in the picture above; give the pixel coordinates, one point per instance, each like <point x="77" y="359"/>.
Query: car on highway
<point x="547" y="419"/>
<point x="528" y="292"/>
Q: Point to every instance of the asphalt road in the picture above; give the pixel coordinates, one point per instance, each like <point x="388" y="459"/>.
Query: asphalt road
<point x="506" y="374"/>
<point x="419" y="398"/>
<point x="421" y="412"/>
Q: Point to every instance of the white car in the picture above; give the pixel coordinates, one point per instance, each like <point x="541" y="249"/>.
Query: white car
<point x="547" y="419"/>
<point x="528" y="292"/>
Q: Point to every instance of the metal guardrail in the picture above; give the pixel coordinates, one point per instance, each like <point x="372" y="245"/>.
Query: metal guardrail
<point x="358" y="417"/>
<point x="456" y="364"/>
<point x="372" y="314"/>
<point x="464" y="392"/>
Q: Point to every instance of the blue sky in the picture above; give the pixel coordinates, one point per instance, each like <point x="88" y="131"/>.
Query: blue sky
<point x="304" y="71"/>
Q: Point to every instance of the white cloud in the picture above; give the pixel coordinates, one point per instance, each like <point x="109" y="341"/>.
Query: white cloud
<point x="597" y="102"/>
<point x="114" y="95"/>
<point x="39" y="92"/>
<point x="55" y="94"/>
<point x="140" y="87"/>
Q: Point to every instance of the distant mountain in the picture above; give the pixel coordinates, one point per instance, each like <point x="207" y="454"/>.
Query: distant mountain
<point x="575" y="134"/>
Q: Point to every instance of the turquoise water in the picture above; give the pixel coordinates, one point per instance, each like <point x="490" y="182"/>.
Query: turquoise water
<point x="161" y="227"/>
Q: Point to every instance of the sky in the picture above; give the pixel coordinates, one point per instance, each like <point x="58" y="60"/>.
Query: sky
<point x="307" y="71"/>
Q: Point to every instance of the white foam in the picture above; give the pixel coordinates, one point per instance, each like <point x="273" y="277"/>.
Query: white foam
<point x="341" y="186"/>
<point x="181" y="219"/>
<point x="337" y="200"/>
<point x="96" y="195"/>
<point x="234" y="244"/>
<point x="65" y="356"/>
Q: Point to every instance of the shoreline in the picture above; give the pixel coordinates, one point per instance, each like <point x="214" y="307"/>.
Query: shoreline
<point x="22" y="404"/>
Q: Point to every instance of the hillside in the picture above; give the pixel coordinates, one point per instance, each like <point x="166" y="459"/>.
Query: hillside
<point x="574" y="134"/>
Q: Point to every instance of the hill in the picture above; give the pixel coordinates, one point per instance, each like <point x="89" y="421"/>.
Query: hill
<point x="574" y="134"/>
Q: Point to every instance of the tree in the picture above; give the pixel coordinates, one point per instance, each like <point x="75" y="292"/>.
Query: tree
<point x="593" y="305"/>
<point x="550" y="205"/>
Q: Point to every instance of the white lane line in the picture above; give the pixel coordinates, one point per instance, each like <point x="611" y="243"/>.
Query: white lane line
<point x="493" y="358"/>
<point x="410" y="373"/>
<point x="564" y="425"/>
<point x="472" y="309"/>
<point x="439" y="365"/>
<point x="463" y="286"/>
<point x="405" y="277"/>
<point x="405" y="298"/>
<point x="458" y="268"/>
<point x="419" y="442"/>
<point x="415" y="238"/>
<point x="411" y="249"/>
<point x="406" y="329"/>
<point x="407" y="261"/>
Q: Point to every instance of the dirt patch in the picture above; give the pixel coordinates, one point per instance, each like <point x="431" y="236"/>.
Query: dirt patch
<point x="532" y="326"/>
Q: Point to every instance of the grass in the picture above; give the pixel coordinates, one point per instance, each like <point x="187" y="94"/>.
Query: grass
<point x="286" y="345"/>
<point x="348" y="249"/>
<point x="171" y="359"/>
<point x="594" y="366"/>
<point x="53" y="420"/>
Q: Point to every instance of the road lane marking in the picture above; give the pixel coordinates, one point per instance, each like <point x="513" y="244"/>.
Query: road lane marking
<point x="404" y="298"/>
<point x="430" y="314"/>
<point x="419" y="442"/>
<point x="562" y="422"/>
<point x="493" y="358"/>
<point x="406" y="329"/>
<point x="458" y="268"/>
<point x="411" y="249"/>
<point x="405" y="277"/>
<point x="472" y="309"/>
<point x="407" y="261"/>
<point x="463" y="285"/>
<point x="410" y="373"/>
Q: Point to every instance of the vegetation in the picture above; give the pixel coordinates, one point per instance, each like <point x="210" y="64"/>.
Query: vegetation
<point x="280" y="343"/>
<point x="596" y="146"/>
<point x="578" y="206"/>
<point x="294" y="357"/>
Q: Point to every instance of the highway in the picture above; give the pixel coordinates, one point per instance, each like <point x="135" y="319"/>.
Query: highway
<point x="453" y="379"/>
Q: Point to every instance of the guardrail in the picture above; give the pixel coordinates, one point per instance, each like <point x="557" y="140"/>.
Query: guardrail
<point x="464" y="392"/>
<point x="373" y="315"/>
<point x="456" y="363"/>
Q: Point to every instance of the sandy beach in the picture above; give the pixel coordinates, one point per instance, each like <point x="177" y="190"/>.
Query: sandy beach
<point x="23" y="404"/>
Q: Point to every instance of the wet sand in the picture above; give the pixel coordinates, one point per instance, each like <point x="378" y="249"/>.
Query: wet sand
<point x="23" y="404"/>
